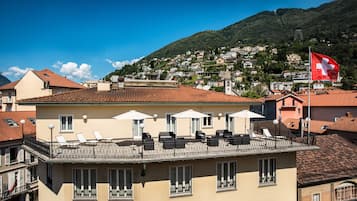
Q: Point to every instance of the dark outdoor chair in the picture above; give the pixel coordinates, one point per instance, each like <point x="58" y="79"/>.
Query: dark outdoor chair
<point x="235" y="140"/>
<point x="180" y="143"/>
<point x="149" y="144"/>
<point x="245" y="139"/>
<point x="212" y="141"/>
<point x="200" y="135"/>
<point x="227" y="134"/>
<point x="168" y="143"/>
<point x="163" y="136"/>
<point x="145" y="136"/>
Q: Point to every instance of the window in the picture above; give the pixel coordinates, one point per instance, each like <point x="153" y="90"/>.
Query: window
<point x="66" y="122"/>
<point x="137" y="128"/>
<point x="120" y="183"/>
<point x="283" y="102"/>
<point x="346" y="191"/>
<point x="229" y="122"/>
<point x="207" y="121"/>
<point x="85" y="181"/>
<point x="13" y="154"/>
<point x="267" y="171"/>
<point x="316" y="197"/>
<point x="170" y="123"/>
<point x="293" y="102"/>
<point x="11" y="123"/>
<point x="226" y="175"/>
<point x="180" y="180"/>
<point x="32" y="120"/>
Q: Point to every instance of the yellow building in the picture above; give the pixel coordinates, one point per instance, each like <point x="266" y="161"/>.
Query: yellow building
<point x="34" y="84"/>
<point x="177" y="162"/>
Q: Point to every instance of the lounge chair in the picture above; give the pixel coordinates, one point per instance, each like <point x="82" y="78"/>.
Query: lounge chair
<point x="63" y="143"/>
<point x="83" y="140"/>
<point x="266" y="133"/>
<point x="99" y="137"/>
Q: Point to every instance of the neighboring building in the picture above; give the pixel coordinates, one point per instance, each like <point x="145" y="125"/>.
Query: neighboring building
<point x="281" y="86"/>
<point x="283" y="107"/>
<point x="131" y="169"/>
<point x="316" y="126"/>
<point x="345" y="126"/>
<point x="34" y="84"/>
<point x="330" y="105"/>
<point x="330" y="173"/>
<point x="18" y="168"/>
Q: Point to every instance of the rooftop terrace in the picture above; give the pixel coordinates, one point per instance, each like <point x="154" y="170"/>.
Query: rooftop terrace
<point x="129" y="151"/>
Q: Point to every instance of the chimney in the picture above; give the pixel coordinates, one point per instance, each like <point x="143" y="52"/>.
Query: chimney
<point x="349" y="114"/>
<point x="103" y="86"/>
<point x="121" y="82"/>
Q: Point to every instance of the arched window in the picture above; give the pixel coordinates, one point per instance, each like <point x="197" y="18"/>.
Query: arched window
<point x="347" y="191"/>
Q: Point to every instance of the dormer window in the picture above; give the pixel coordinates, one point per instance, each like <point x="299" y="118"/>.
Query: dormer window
<point x="11" y="123"/>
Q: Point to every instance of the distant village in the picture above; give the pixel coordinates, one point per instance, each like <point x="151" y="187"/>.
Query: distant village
<point x="234" y="71"/>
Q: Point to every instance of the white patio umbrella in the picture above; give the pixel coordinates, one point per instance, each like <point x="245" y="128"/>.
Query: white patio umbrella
<point x="190" y="114"/>
<point x="246" y="114"/>
<point x="132" y="115"/>
<point x="136" y="117"/>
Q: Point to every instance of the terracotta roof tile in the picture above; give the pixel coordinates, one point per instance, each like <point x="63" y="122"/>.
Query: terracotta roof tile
<point x="316" y="125"/>
<point x="181" y="94"/>
<point x="56" y="80"/>
<point x="10" y="85"/>
<point x="13" y="133"/>
<point x="345" y="124"/>
<point x="349" y="98"/>
<point x="335" y="159"/>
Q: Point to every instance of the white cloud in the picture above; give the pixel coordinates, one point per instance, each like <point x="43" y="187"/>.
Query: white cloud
<point x="57" y="65"/>
<point x="73" y="71"/>
<point x="121" y="64"/>
<point x="15" y="71"/>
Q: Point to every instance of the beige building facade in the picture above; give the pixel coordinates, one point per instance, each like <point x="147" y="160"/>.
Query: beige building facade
<point x="180" y="168"/>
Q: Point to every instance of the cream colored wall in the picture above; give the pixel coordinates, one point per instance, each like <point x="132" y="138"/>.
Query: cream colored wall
<point x="99" y="118"/>
<point x="155" y="185"/>
<point x="5" y="102"/>
<point x="327" y="191"/>
<point x="31" y="86"/>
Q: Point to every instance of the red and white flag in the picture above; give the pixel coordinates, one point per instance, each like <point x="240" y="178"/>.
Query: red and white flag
<point x="323" y="67"/>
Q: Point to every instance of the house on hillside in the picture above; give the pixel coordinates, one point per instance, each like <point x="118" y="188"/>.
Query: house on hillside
<point x="34" y="84"/>
<point x="157" y="142"/>
<point x="18" y="168"/>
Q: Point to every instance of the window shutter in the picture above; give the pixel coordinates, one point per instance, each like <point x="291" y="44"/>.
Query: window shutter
<point x="21" y="177"/>
<point x="28" y="175"/>
<point x="0" y="184"/>
<point x="27" y="156"/>
<point x="20" y="155"/>
<point x="10" y="180"/>
<point x="7" y="156"/>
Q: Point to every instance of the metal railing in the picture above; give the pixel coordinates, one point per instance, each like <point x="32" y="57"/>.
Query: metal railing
<point x="16" y="191"/>
<point x="135" y="150"/>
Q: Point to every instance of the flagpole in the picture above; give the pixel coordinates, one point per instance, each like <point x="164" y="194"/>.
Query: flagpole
<point x="309" y="99"/>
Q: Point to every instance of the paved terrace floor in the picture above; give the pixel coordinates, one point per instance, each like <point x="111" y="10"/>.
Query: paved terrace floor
<point x="121" y="151"/>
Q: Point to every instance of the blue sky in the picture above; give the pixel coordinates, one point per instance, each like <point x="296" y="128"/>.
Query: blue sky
<point x="87" y="39"/>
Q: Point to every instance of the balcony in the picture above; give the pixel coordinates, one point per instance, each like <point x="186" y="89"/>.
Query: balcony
<point x="130" y="151"/>
<point x="11" y="195"/>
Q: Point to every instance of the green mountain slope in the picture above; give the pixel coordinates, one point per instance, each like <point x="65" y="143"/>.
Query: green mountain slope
<point x="325" y="22"/>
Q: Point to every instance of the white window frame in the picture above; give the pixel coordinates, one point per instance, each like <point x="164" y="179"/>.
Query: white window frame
<point x="127" y="193"/>
<point x="92" y="193"/>
<point x="137" y="130"/>
<point x="171" y="125"/>
<point x="229" y="183"/>
<point x="209" y="123"/>
<point x="316" y="194"/>
<point x="267" y="179"/>
<point x="186" y="189"/>
<point x="67" y="125"/>
<point x="229" y="124"/>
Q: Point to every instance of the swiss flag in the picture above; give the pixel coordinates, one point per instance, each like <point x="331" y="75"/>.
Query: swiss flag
<point x="323" y="67"/>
